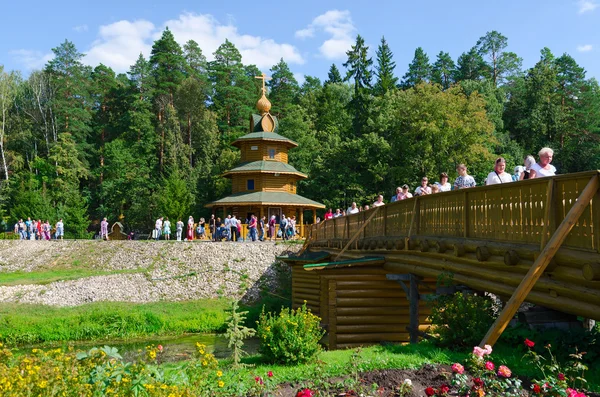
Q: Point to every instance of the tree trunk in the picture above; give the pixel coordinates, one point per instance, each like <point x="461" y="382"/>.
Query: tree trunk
<point x="189" y="122"/>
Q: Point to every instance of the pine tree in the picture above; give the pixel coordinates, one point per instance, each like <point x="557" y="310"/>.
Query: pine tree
<point x="359" y="69"/>
<point x="168" y="64"/>
<point x="384" y="70"/>
<point x="443" y="70"/>
<point x="283" y="89"/>
<point x="197" y="66"/>
<point x="471" y="66"/>
<point x="70" y="103"/>
<point x="500" y="63"/>
<point x="419" y="70"/>
<point x="334" y="75"/>
<point x="230" y="97"/>
<point x="142" y="80"/>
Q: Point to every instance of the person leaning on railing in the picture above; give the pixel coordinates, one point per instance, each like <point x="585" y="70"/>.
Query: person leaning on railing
<point x="463" y="180"/>
<point x="543" y="167"/>
<point x="499" y="175"/>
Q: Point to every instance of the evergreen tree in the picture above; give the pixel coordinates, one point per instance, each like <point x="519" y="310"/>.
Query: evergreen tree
<point x="359" y="69"/>
<point x="142" y="80"/>
<point x="471" y="66"/>
<point x="419" y="70"/>
<point x="231" y="101"/>
<point x="333" y="76"/>
<point x="197" y="67"/>
<point x="443" y="70"/>
<point x="501" y="63"/>
<point x="70" y="102"/>
<point x="384" y="70"/>
<point x="283" y="89"/>
<point x="168" y="64"/>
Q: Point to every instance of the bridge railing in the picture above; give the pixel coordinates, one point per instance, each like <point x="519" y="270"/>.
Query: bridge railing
<point x="524" y="212"/>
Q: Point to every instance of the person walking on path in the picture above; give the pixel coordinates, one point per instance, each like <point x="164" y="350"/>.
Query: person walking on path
<point x="158" y="228"/>
<point x="272" y="223"/>
<point x="252" y="225"/>
<point x="167" y="229"/>
<point x="212" y="225"/>
<point x="104" y="229"/>
<point x="60" y="229"/>
<point x="190" y="229"/>
<point x="179" y="226"/>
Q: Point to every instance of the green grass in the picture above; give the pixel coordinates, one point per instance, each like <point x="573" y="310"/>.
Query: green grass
<point x="33" y="324"/>
<point x="44" y="277"/>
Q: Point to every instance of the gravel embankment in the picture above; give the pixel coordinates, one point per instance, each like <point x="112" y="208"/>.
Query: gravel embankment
<point x="168" y="271"/>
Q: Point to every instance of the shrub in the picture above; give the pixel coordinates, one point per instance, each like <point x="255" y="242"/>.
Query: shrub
<point x="461" y="320"/>
<point x="291" y="337"/>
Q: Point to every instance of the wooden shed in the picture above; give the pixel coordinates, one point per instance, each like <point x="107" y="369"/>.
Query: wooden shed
<point x="359" y="303"/>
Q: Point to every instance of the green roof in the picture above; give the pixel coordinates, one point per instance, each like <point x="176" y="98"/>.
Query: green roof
<point x="266" y="198"/>
<point x="267" y="136"/>
<point x="365" y="261"/>
<point x="265" y="166"/>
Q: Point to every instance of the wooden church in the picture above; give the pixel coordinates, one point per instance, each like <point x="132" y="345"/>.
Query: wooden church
<point x="264" y="184"/>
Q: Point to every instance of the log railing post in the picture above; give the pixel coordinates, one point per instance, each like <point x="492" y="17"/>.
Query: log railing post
<point x="358" y="232"/>
<point x="548" y="213"/>
<point x="465" y="214"/>
<point x="541" y="262"/>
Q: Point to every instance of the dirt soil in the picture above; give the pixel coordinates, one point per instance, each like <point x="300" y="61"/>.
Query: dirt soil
<point x="388" y="380"/>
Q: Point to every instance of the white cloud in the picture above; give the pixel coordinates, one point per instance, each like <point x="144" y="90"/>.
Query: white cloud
<point x="81" y="28"/>
<point x="584" y="48"/>
<point x="586" y="6"/>
<point x="338" y="24"/>
<point x="30" y="59"/>
<point x="119" y="44"/>
<point x="210" y="34"/>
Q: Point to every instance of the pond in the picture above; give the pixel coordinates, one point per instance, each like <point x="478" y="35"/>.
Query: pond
<point x="175" y="348"/>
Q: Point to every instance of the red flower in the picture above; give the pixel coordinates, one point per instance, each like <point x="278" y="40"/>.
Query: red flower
<point x="258" y="380"/>
<point x="270" y="374"/>
<point x="304" y="393"/>
<point x="537" y="389"/>
<point x="429" y="391"/>
<point x="489" y="366"/>
<point x="561" y="376"/>
<point x="478" y="382"/>
<point x="529" y="343"/>
<point x="160" y="348"/>
<point x="444" y="389"/>
<point x="504" y="371"/>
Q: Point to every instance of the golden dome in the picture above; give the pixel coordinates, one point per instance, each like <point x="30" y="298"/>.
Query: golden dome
<point x="263" y="105"/>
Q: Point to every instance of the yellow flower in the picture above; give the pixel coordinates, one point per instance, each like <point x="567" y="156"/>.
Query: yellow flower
<point x="219" y="373"/>
<point x="204" y="363"/>
<point x="33" y="351"/>
<point x="43" y="384"/>
<point x="221" y="383"/>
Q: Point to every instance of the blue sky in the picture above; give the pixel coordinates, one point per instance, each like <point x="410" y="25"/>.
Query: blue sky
<point x="309" y="35"/>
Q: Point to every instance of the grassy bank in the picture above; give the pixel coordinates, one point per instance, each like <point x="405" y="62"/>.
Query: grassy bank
<point x="28" y="324"/>
<point x="45" y="277"/>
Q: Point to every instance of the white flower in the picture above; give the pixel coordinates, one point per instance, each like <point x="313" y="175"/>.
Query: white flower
<point x="407" y="382"/>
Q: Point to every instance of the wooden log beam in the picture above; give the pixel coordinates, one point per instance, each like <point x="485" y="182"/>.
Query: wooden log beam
<point x="360" y="229"/>
<point x="541" y="262"/>
<point x="373" y="337"/>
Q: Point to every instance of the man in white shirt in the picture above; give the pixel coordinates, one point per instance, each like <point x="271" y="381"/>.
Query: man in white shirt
<point x="423" y="190"/>
<point x="353" y="209"/>
<point x="158" y="228"/>
<point x="379" y="201"/>
<point x="499" y="175"/>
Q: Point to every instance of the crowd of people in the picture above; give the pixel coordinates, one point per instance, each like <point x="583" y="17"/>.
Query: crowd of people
<point x="38" y="230"/>
<point x="529" y="170"/>
<point x="227" y="229"/>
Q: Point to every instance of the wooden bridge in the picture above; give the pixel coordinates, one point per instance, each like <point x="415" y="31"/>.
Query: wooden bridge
<point x="537" y="241"/>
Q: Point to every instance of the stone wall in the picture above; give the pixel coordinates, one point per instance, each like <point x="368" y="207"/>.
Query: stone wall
<point x="142" y="271"/>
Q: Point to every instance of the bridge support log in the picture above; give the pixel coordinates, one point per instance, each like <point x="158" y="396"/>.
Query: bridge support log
<point x="541" y="262"/>
<point x="412" y="294"/>
<point x="591" y="271"/>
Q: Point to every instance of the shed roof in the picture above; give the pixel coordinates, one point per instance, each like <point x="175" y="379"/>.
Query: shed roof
<point x="266" y="198"/>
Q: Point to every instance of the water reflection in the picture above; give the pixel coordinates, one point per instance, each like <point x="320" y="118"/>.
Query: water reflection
<point x="175" y="348"/>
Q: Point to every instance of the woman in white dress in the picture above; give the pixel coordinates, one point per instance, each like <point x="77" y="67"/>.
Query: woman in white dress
<point x="543" y="167"/>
